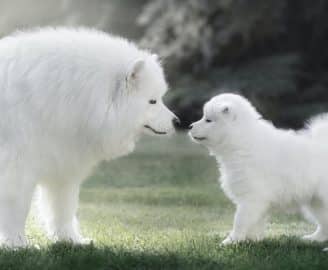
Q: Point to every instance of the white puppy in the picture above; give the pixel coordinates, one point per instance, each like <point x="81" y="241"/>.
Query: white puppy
<point x="263" y="166"/>
<point x="69" y="99"/>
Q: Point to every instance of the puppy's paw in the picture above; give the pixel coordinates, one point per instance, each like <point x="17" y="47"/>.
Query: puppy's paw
<point x="85" y="241"/>
<point x="73" y="239"/>
<point x="317" y="236"/>
<point x="307" y="237"/>
<point x="227" y="241"/>
<point x="325" y="250"/>
<point x="81" y="240"/>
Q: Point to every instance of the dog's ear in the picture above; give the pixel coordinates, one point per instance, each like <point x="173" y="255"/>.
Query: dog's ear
<point x="134" y="71"/>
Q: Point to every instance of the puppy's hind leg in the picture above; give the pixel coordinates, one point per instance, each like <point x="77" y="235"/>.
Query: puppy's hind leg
<point x="319" y="214"/>
<point x="58" y="203"/>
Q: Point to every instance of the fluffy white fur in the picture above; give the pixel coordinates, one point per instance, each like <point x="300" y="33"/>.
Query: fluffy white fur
<point x="262" y="166"/>
<point x="69" y="98"/>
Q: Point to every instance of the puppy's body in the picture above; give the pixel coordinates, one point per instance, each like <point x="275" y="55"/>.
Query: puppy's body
<point x="69" y="98"/>
<point x="262" y="166"/>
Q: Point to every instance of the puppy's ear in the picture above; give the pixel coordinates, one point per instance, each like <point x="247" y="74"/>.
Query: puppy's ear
<point x="228" y="112"/>
<point x="225" y="110"/>
<point x="156" y="57"/>
<point x="134" y="71"/>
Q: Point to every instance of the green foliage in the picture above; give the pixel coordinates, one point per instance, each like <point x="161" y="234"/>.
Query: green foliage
<point x="198" y="34"/>
<point x="274" y="52"/>
<point x="265" y="81"/>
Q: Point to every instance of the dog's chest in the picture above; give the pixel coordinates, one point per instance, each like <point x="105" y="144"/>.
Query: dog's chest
<point x="234" y="181"/>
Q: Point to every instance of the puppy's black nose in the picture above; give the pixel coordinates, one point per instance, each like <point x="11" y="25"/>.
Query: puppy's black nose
<point x="190" y="127"/>
<point x="176" y="122"/>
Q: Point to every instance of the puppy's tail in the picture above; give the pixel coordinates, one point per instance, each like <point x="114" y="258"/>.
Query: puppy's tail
<point x="317" y="128"/>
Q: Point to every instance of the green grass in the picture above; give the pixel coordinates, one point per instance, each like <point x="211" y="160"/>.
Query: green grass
<point x="162" y="208"/>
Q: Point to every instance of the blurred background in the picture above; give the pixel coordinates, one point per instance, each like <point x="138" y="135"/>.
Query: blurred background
<point x="273" y="52"/>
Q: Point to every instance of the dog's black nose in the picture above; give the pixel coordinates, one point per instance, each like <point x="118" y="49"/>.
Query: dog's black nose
<point x="176" y="122"/>
<point x="190" y="127"/>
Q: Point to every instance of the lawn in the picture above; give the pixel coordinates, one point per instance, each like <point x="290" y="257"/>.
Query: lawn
<point x="162" y="208"/>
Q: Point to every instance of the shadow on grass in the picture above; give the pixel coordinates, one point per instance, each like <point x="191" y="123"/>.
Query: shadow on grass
<point x="282" y="253"/>
<point x="156" y="196"/>
<point x="144" y="170"/>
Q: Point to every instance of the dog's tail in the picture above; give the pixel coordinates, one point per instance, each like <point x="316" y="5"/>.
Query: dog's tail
<point x="317" y="128"/>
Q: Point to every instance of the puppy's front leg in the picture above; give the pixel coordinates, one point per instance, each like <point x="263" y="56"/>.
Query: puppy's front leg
<point x="247" y="217"/>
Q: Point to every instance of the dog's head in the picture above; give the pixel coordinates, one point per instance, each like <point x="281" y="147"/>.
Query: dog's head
<point x="146" y="86"/>
<point x="224" y="115"/>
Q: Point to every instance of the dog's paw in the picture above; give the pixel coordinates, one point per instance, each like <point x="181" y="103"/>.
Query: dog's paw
<point x="76" y="239"/>
<point x="81" y="240"/>
<point x="308" y="237"/>
<point x="325" y="249"/>
<point x="85" y="241"/>
<point x="227" y="241"/>
<point x="318" y="237"/>
<point x="13" y="243"/>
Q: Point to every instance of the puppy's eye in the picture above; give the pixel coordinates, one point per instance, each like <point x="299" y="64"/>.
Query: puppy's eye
<point x="152" y="101"/>
<point x="208" y="121"/>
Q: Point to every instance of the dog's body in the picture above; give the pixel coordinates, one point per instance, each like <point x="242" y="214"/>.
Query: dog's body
<point x="69" y="99"/>
<point x="262" y="166"/>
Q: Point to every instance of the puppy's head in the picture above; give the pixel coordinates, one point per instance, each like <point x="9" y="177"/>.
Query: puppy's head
<point x="223" y="115"/>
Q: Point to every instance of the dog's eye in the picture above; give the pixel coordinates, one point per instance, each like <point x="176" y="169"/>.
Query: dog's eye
<point x="208" y="121"/>
<point x="152" y="101"/>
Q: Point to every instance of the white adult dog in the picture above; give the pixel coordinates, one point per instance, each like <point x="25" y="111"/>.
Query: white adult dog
<point x="69" y="98"/>
<point x="262" y="166"/>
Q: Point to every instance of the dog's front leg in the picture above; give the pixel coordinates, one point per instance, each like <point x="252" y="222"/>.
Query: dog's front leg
<point x="247" y="217"/>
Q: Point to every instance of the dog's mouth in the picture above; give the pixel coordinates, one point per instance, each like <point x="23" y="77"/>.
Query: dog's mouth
<point x="199" y="138"/>
<point x="154" y="130"/>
